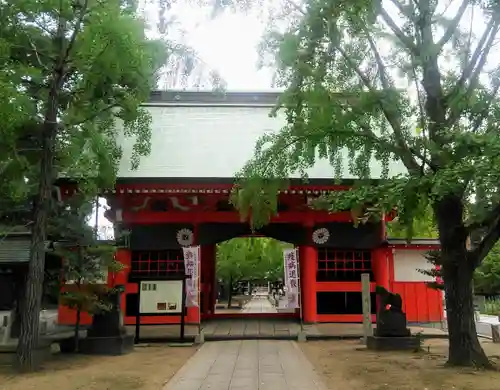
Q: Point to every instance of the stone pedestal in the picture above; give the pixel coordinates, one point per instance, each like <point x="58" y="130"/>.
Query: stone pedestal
<point x="392" y="332"/>
<point x="115" y="345"/>
<point x="391" y="323"/>
<point x="107" y="335"/>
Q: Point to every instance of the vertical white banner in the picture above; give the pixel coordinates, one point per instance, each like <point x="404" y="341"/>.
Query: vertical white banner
<point x="192" y="264"/>
<point x="291" y="278"/>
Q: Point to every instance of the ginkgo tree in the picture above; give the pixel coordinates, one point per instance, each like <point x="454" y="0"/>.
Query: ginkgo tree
<point x="412" y="82"/>
<point x="71" y="70"/>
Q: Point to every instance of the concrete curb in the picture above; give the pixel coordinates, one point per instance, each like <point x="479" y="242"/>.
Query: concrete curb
<point x="264" y="337"/>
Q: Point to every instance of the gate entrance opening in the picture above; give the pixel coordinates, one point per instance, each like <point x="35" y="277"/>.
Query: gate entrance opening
<point x="250" y="277"/>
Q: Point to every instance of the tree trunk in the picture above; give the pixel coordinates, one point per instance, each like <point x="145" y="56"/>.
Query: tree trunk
<point x="30" y="310"/>
<point x="464" y="346"/>
<point x="457" y="272"/>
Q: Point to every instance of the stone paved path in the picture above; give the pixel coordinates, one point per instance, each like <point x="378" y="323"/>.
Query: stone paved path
<point x="247" y="365"/>
<point x="247" y="328"/>
<point x="259" y="304"/>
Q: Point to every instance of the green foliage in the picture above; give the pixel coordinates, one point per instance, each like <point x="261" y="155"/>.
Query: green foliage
<point x="86" y="260"/>
<point x="107" y="68"/>
<point x="492" y="307"/>
<point x="434" y="257"/>
<point x="487" y="276"/>
<point x="423" y="226"/>
<point x="250" y="259"/>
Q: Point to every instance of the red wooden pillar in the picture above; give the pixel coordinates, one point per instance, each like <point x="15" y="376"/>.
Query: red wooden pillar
<point x="308" y="258"/>
<point x="208" y="276"/>
<point x="380" y="266"/>
<point x="213" y="279"/>
<point x="123" y="256"/>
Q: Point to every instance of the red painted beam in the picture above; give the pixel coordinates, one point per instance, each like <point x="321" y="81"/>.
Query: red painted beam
<point x="228" y="217"/>
<point x="184" y="188"/>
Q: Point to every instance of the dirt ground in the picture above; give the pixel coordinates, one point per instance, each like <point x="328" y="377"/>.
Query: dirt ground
<point x="346" y="365"/>
<point x="147" y="368"/>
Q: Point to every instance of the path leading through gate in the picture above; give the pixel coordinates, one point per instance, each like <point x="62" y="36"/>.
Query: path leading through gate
<point x="259" y="304"/>
<point x="247" y="365"/>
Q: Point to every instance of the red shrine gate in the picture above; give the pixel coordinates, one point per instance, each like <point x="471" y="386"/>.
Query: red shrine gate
<point x="179" y="196"/>
<point x="204" y="217"/>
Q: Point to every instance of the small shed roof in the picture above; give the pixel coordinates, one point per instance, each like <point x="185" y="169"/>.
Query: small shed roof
<point x="15" y="248"/>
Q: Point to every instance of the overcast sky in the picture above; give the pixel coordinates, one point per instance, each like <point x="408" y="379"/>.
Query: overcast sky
<point x="227" y="43"/>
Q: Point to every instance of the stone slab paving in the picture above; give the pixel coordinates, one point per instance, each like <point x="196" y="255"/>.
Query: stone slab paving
<point x="247" y="365"/>
<point x="251" y="328"/>
<point x="259" y="304"/>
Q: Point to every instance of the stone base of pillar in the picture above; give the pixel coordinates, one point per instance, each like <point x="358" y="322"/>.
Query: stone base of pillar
<point x="199" y="338"/>
<point x="302" y="337"/>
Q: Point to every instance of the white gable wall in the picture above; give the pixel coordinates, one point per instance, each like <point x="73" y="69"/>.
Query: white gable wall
<point x="407" y="263"/>
<point x="204" y="141"/>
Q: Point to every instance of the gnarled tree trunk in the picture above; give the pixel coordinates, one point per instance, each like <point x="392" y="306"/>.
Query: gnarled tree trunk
<point x="30" y="311"/>
<point x="457" y="272"/>
<point x="31" y="304"/>
<point x="464" y="348"/>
